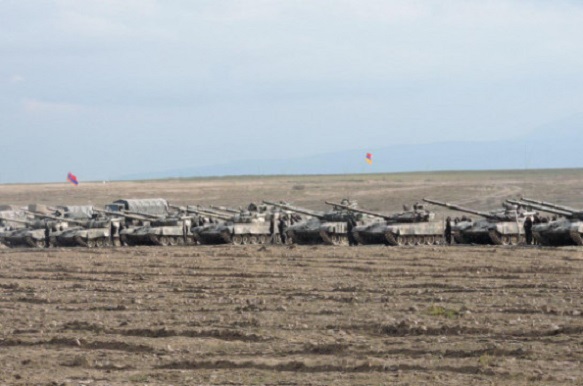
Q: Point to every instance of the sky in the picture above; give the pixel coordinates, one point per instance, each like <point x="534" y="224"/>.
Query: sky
<point x="107" y="88"/>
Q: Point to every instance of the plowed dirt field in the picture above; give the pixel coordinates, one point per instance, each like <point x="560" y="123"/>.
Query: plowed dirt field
<point x="293" y="315"/>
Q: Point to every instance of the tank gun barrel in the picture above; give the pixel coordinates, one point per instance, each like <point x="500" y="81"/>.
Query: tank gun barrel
<point x="306" y="212"/>
<point x="62" y="219"/>
<point x="123" y="214"/>
<point x="147" y="215"/>
<point x="225" y="209"/>
<point x="548" y="205"/>
<point x="18" y="221"/>
<point x="543" y="208"/>
<point x="363" y="211"/>
<point x="202" y="211"/>
<point x="459" y="208"/>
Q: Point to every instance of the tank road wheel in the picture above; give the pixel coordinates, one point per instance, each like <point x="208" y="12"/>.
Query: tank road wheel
<point x="237" y="239"/>
<point x="263" y="239"/>
<point x="253" y="239"/>
<point x="39" y="243"/>
<point x="180" y="241"/>
<point x="344" y="241"/>
<point x="429" y="240"/>
<point x="505" y="240"/>
<point x="172" y="241"/>
<point x="393" y="239"/>
<point x="245" y="239"/>
<point x="163" y="241"/>
<point x="99" y="243"/>
<point x="91" y="244"/>
<point x="514" y="240"/>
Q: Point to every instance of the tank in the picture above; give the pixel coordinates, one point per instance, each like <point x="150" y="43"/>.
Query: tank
<point x="174" y="230"/>
<point x="500" y="227"/>
<point x="36" y="234"/>
<point x="97" y="232"/>
<point x="566" y="230"/>
<point x="256" y="225"/>
<point x="410" y="227"/>
<point x="129" y="223"/>
<point x="330" y="228"/>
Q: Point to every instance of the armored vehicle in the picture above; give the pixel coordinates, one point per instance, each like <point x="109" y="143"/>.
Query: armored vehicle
<point x="38" y="232"/>
<point x="144" y="229"/>
<point x="501" y="227"/>
<point x="174" y="229"/>
<point x="566" y="230"/>
<point x="330" y="227"/>
<point x="256" y="225"/>
<point x="410" y="227"/>
<point x="96" y="232"/>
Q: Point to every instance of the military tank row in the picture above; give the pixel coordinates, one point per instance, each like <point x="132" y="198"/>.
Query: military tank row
<point x="129" y="222"/>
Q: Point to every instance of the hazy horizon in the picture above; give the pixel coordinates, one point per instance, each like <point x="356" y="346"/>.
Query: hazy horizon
<point x="107" y="89"/>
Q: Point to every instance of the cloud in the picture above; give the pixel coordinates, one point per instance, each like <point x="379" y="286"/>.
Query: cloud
<point x="39" y="106"/>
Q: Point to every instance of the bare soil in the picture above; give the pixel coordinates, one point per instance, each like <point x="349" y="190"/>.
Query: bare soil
<point x="296" y="315"/>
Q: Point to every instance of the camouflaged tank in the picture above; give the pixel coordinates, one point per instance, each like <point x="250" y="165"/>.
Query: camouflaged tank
<point x="37" y="234"/>
<point x="501" y="227"/>
<point x="256" y="225"/>
<point x="141" y="229"/>
<point x="329" y="228"/>
<point x="567" y="230"/>
<point x="9" y="225"/>
<point x="92" y="233"/>
<point x="86" y="228"/>
<point x="410" y="227"/>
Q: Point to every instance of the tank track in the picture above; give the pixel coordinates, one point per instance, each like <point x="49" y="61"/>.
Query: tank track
<point x="32" y="243"/>
<point x="80" y="241"/>
<point x="334" y="239"/>
<point x="576" y="237"/>
<point x="495" y="237"/>
<point x="395" y="240"/>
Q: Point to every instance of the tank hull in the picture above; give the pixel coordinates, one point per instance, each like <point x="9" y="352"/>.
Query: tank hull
<point x="421" y="233"/>
<point x="317" y="232"/>
<point x="90" y="238"/>
<point x="164" y="235"/>
<point x="25" y="238"/>
<point x="243" y="233"/>
<point x="485" y="232"/>
<point x="558" y="233"/>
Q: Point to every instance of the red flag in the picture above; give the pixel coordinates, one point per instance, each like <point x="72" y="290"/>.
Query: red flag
<point x="72" y="179"/>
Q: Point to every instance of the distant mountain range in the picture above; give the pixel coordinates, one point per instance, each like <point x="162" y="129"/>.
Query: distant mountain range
<point x="557" y="145"/>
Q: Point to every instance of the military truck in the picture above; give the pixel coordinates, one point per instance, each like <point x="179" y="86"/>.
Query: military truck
<point x="151" y="206"/>
<point x="410" y="227"/>
<point x="499" y="227"/>
<point x="566" y="230"/>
